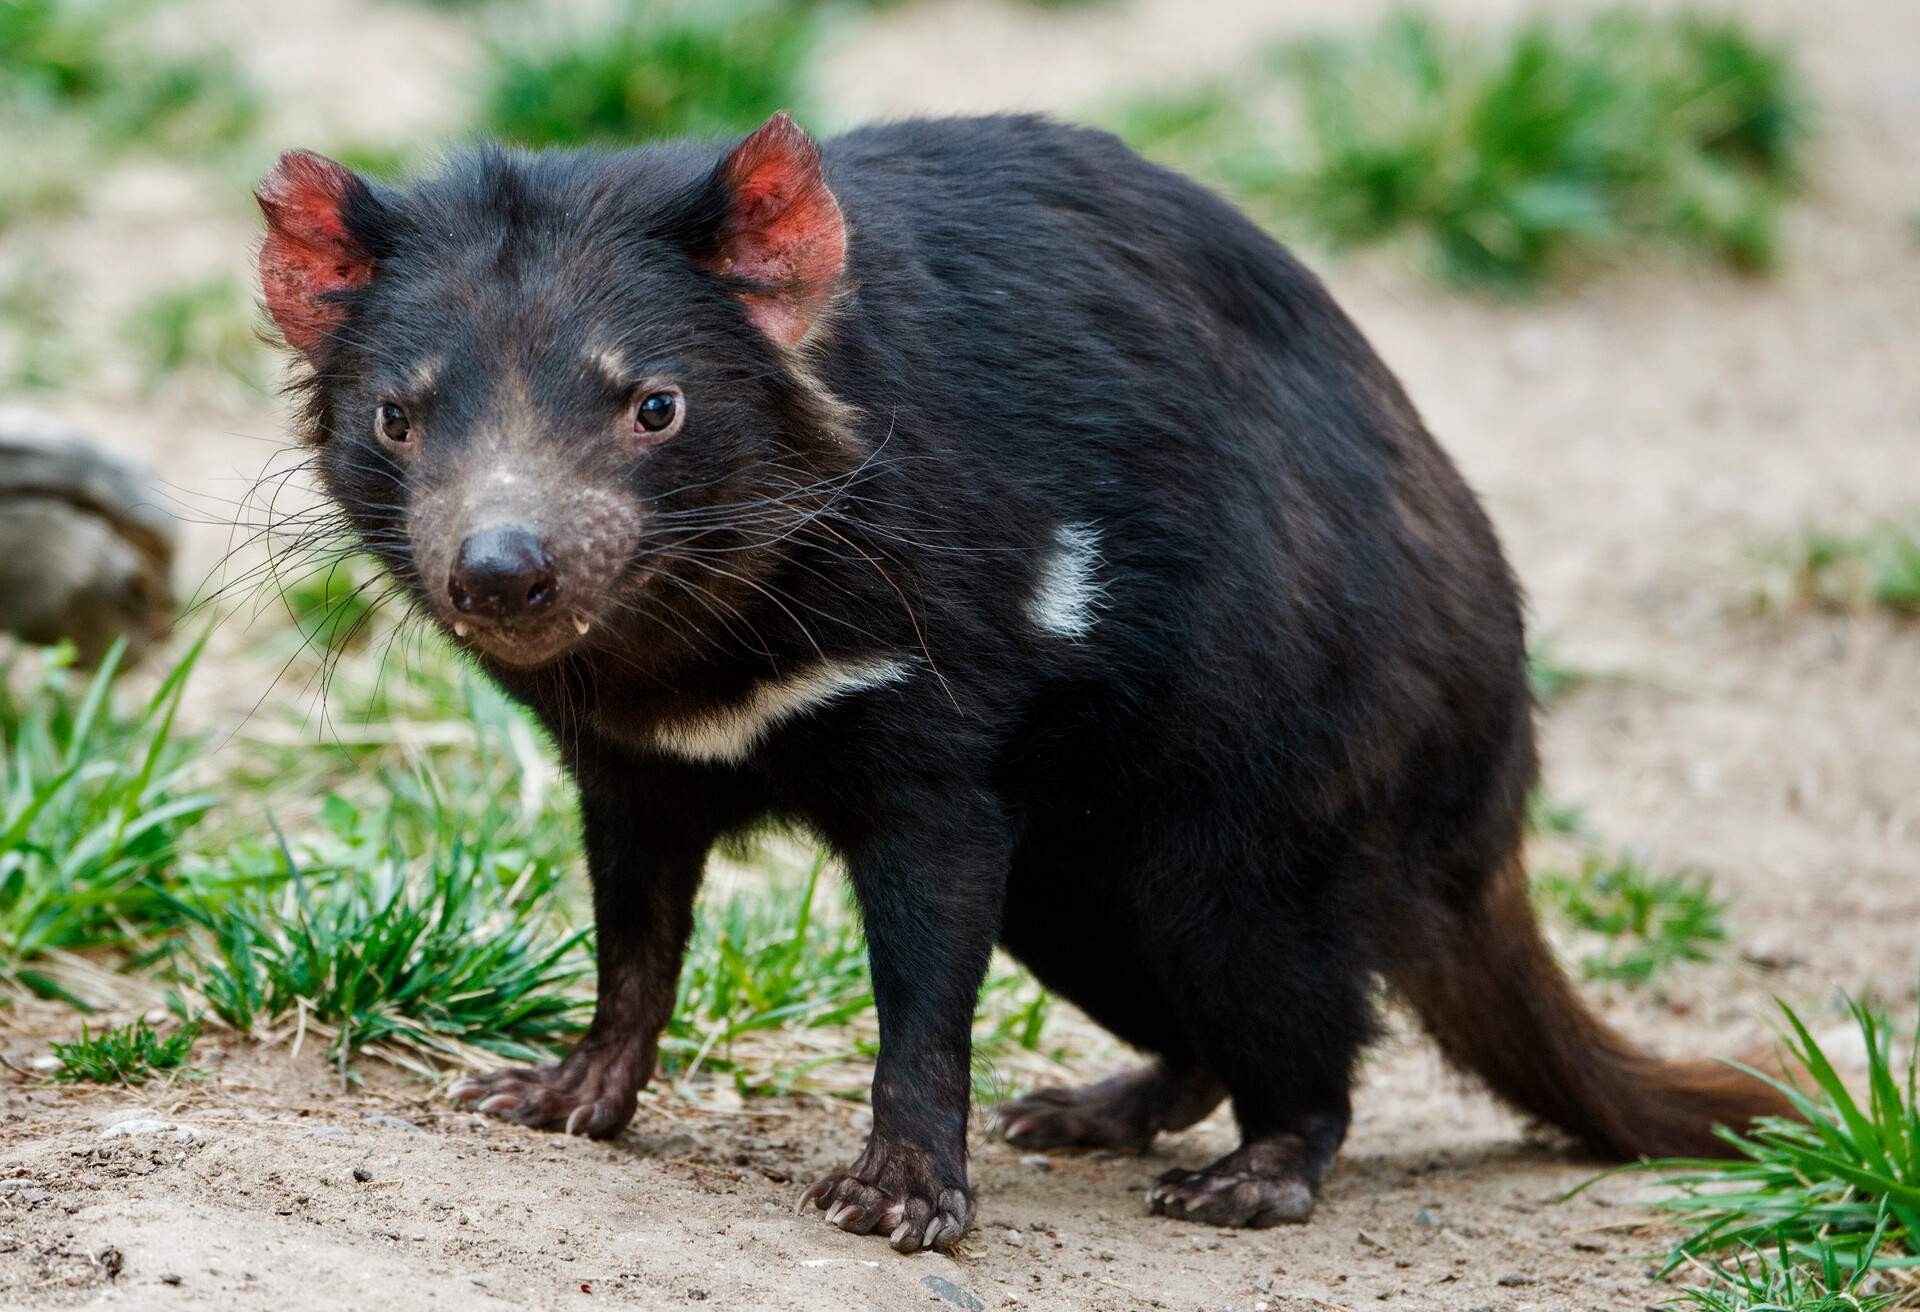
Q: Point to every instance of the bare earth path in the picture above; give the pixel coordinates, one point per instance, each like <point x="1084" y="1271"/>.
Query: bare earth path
<point x="1633" y="440"/>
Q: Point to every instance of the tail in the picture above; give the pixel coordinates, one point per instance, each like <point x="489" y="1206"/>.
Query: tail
<point x="1499" y="1005"/>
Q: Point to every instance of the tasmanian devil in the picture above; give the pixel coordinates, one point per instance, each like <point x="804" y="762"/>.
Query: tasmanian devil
<point x="1022" y="521"/>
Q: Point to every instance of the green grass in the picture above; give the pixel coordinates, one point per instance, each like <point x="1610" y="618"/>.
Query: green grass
<point x="1841" y="1189"/>
<point x="772" y="963"/>
<point x="94" y="808"/>
<point x="1546" y="816"/>
<point x="208" y="325"/>
<point x="776" y="995"/>
<point x="424" y="913"/>
<point x="99" y="62"/>
<point x="127" y="1054"/>
<point x="648" y="71"/>
<point x="1514" y="157"/>
<point x="1763" y="1280"/>
<point x="422" y="954"/>
<point x="422" y="908"/>
<point x="56" y="51"/>
<point x="1548" y="676"/>
<point x="332" y="605"/>
<point x="1640" y="923"/>
<point x="1877" y="569"/>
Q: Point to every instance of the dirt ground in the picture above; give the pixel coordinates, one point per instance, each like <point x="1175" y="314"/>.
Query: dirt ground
<point x="1634" y="440"/>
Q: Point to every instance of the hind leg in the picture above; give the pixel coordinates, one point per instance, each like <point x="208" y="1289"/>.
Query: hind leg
<point x="1282" y="1025"/>
<point x="1123" y="1112"/>
<point x="1088" y="968"/>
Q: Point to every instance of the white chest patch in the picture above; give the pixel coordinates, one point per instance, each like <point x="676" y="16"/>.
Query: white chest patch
<point x="727" y="733"/>
<point x="1070" y="590"/>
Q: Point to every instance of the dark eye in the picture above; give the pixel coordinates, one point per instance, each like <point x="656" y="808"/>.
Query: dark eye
<point x="657" y="411"/>
<point x="391" y="422"/>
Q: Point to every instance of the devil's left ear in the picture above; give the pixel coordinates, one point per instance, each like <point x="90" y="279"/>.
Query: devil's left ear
<point x="782" y="232"/>
<point x="309" y="254"/>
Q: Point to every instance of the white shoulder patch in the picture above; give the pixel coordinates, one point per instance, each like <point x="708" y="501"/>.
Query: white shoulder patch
<point x="1070" y="589"/>
<point x="727" y="733"/>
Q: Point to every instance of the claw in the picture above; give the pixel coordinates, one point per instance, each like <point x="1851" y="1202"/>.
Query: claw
<point x="499" y="1102"/>
<point x="1013" y="1131"/>
<point x="933" y="1231"/>
<point x="850" y="1216"/>
<point x="576" y="1116"/>
<point x="813" y="1193"/>
<point x="833" y="1213"/>
<point x="465" y="1090"/>
<point x="900" y="1232"/>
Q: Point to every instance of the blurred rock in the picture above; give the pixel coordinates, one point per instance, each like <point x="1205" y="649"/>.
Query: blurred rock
<point x="86" y="550"/>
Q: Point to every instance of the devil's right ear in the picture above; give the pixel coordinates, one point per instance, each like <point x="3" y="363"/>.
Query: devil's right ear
<point x="783" y="237"/>
<point x="309" y="254"/>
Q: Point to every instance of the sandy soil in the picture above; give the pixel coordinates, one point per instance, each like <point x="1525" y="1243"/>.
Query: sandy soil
<point x="1634" y="440"/>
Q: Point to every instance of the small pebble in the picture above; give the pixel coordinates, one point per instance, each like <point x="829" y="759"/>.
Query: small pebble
<point x="1016" y="1239"/>
<point x="1038" y="1161"/>
<point x="362" y="1174"/>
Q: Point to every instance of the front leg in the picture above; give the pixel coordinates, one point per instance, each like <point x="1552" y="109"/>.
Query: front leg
<point x="930" y="888"/>
<point x="646" y="849"/>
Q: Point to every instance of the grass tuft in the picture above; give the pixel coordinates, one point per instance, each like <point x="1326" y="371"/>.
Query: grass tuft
<point x="1840" y="1188"/>
<point x="420" y="955"/>
<point x="646" y="71"/>
<point x="94" y="804"/>
<point x="94" y="59"/>
<point x="128" y="1054"/>
<point x="1878" y="569"/>
<point x="1642" y="923"/>
<point x="1759" y="1280"/>
<point x="1512" y="158"/>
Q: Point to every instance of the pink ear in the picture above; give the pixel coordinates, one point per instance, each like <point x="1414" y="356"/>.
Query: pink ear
<point x="308" y="252"/>
<point x="783" y="230"/>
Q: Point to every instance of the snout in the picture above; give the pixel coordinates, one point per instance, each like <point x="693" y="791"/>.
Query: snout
<point x="524" y="569"/>
<point x="502" y="576"/>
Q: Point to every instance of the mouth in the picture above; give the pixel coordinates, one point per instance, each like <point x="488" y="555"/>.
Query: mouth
<point x="522" y="644"/>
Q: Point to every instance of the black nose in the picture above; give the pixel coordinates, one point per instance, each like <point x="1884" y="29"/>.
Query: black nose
<point x="501" y="574"/>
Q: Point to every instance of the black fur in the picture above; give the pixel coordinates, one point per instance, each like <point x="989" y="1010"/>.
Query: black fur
<point x="1290" y="756"/>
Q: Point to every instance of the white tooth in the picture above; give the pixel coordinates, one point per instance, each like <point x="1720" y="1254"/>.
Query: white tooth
<point x="581" y="625"/>
<point x="459" y="629"/>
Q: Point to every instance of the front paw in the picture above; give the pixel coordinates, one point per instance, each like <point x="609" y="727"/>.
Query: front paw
<point x="896" y="1192"/>
<point x="584" y="1094"/>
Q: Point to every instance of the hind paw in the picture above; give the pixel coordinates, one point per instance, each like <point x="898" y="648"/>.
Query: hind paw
<point x="590" y="1098"/>
<point x="1122" y="1112"/>
<point x="1070" y="1118"/>
<point x="1254" y="1186"/>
